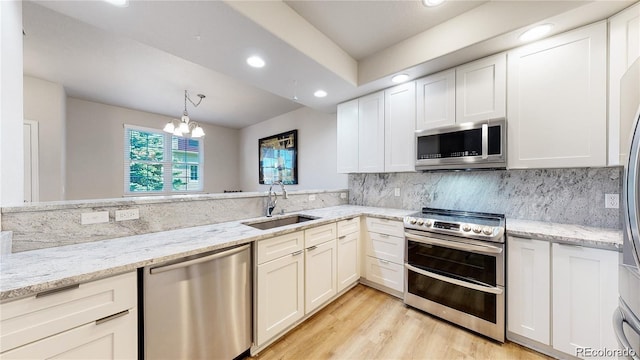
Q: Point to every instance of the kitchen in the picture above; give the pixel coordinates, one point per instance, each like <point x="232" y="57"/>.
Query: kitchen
<point x="547" y="188"/>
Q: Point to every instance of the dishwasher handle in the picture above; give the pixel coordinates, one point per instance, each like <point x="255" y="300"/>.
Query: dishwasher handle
<point x="218" y="255"/>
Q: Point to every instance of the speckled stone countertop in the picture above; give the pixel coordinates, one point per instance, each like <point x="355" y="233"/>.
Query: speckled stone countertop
<point x="610" y="239"/>
<point x="26" y="273"/>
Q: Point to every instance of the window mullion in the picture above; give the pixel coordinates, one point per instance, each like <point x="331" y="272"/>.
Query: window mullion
<point x="168" y="164"/>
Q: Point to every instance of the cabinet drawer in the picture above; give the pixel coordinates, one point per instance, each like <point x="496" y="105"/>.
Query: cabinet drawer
<point x="319" y="234"/>
<point x="385" y="273"/>
<point x="350" y="226"/>
<point x="278" y="246"/>
<point x="386" y="247"/>
<point x="385" y="226"/>
<point x="113" y="339"/>
<point x="27" y="320"/>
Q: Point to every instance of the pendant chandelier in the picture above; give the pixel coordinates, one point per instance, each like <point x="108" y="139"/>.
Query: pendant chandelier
<point x="185" y="126"/>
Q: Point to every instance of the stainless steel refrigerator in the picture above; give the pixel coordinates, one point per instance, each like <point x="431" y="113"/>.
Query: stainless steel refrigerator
<point x="626" y="319"/>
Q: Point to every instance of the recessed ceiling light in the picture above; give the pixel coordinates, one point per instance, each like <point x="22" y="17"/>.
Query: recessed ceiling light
<point x="432" y="3"/>
<point x="120" y="3"/>
<point x="320" y="93"/>
<point x="255" y="61"/>
<point x="400" y="78"/>
<point x="535" y="32"/>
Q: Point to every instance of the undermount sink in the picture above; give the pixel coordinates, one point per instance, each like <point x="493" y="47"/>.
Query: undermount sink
<point x="279" y="221"/>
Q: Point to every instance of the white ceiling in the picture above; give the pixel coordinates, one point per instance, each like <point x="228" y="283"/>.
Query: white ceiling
<point x="145" y="55"/>
<point x="362" y="28"/>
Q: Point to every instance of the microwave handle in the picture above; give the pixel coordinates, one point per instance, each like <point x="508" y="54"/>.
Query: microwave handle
<point x="485" y="141"/>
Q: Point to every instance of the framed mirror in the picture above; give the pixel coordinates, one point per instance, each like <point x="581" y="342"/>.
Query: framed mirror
<point x="278" y="158"/>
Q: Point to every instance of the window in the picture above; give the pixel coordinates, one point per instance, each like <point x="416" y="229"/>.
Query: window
<point x="160" y="163"/>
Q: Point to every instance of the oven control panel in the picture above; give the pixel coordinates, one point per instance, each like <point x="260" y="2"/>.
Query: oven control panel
<point x="454" y="228"/>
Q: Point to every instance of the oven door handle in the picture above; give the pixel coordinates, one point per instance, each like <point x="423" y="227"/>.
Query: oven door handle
<point x="480" y="249"/>
<point x="485" y="289"/>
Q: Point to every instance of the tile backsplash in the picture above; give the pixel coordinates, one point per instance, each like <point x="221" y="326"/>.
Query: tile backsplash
<point x="570" y="196"/>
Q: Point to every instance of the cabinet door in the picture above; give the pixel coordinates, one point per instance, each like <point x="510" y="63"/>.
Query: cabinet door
<point x="280" y="295"/>
<point x="585" y="294"/>
<point x="348" y="264"/>
<point x="436" y="100"/>
<point x="557" y="101"/>
<point x="481" y="88"/>
<point x="347" y="137"/>
<point x="529" y="288"/>
<point x="109" y="339"/>
<point x="624" y="49"/>
<point x="371" y="133"/>
<point x="400" y="125"/>
<point x="320" y="274"/>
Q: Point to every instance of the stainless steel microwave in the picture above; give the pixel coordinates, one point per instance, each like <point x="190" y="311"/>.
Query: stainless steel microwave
<point x="465" y="146"/>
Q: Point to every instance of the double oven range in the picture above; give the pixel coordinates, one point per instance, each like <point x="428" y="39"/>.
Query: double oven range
<point x="455" y="268"/>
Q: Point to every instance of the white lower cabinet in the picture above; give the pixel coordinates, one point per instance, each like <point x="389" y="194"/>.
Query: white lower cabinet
<point x="114" y="339"/>
<point x="348" y="252"/>
<point x="348" y="264"/>
<point x="94" y="320"/>
<point x="384" y="263"/>
<point x="585" y="295"/>
<point x="280" y="290"/>
<point x="320" y="274"/>
<point x="561" y="297"/>
<point x="385" y="273"/>
<point x="528" y="288"/>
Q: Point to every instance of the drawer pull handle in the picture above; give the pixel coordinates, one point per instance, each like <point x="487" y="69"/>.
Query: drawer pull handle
<point x="342" y="237"/>
<point x="384" y="236"/>
<point x="55" y="291"/>
<point x="312" y="248"/>
<point x="111" y="317"/>
<point x="297" y="253"/>
<point x="384" y="261"/>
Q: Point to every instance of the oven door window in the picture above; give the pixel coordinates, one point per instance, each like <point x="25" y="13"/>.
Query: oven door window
<point x="470" y="301"/>
<point x="459" y="264"/>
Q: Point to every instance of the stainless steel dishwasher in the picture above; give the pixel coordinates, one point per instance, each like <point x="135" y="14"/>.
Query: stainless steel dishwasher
<point x="198" y="307"/>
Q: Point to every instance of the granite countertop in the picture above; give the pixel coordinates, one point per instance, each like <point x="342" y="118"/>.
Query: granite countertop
<point x="610" y="239"/>
<point x="27" y="273"/>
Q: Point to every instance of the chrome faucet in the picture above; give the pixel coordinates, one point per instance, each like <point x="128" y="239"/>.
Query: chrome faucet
<point x="271" y="202"/>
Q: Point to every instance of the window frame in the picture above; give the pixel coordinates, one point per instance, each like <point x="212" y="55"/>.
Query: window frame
<point x="167" y="163"/>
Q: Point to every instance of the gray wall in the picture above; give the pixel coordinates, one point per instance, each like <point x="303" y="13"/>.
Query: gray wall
<point x="95" y="145"/>
<point x="45" y="103"/>
<point x="317" y="144"/>
<point x="571" y="196"/>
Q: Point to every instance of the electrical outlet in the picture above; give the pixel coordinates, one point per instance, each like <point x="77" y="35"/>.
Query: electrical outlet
<point x="312" y="197"/>
<point x="129" y="214"/>
<point x="396" y="191"/>
<point x="95" y="217"/>
<point x="611" y="201"/>
<point x="343" y="195"/>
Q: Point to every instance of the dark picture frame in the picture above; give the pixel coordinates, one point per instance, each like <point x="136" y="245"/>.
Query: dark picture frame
<point x="278" y="158"/>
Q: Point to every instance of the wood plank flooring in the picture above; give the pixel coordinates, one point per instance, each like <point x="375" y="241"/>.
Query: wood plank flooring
<point x="368" y="324"/>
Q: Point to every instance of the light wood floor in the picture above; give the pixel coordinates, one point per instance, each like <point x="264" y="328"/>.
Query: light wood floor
<point x="368" y="324"/>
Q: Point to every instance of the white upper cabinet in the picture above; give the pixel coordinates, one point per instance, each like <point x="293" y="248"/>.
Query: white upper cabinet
<point x="371" y="133"/>
<point x="481" y="89"/>
<point x="436" y="100"/>
<point x="347" y="137"/>
<point x="624" y="49"/>
<point x="399" y="127"/>
<point x="557" y="100"/>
